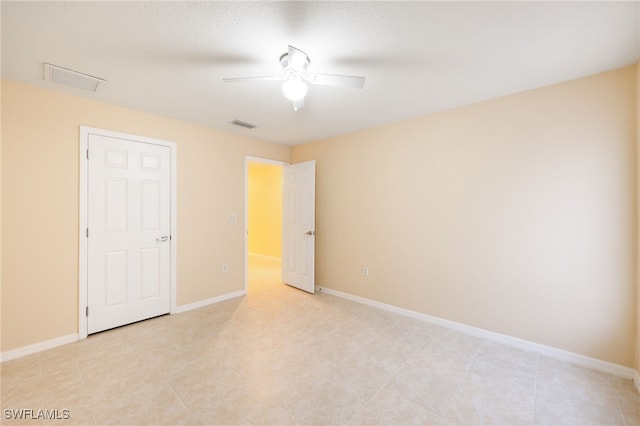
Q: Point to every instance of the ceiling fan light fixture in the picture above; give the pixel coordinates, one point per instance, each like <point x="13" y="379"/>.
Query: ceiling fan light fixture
<point x="294" y="89"/>
<point x="294" y="64"/>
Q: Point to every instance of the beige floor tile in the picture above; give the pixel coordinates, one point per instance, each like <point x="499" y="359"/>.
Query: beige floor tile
<point x="569" y="405"/>
<point x="452" y="341"/>
<point x="493" y="372"/>
<point x="630" y="411"/>
<point x="146" y="405"/>
<point x="407" y="335"/>
<point x="625" y="389"/>
<point x="379" y="319"/>
<point x="265" y="389"/>
<point x="494" y="392"/>
<point x="452" y="358"/>
<point x="554" y="371"/>
<point x="360" y="329"/>
<point x="80" y="406"/>
<point x="20" y="370"/>
<point x="387" y="354"/>
<point x="388" y="408"/>
<point x="304" y="370"/>
<point x="362" y="375"/>
<point x="274" y="415"/>
<point x="34" y="398"/>
<point x="523" y="359"/>
<point x="280" y="356"/>
<point x="587" y="392"/>
<point x="477" y="405"/>
<point x="569" y="394"/>
<point x="430" y="388"/>
<point x="326" y="403"/>
<point x="212" y="413"/>
<point x="205" y="385"/>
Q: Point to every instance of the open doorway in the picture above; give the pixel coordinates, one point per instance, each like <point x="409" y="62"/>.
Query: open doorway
<point x="263" y="219"/>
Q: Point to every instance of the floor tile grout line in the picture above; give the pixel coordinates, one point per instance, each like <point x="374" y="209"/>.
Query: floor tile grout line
<point x="466" y="373"/>
<point x="620" y="411"/>
<point x="77" y="365"/>
<point x="39" y="365"/>
<point x="511" y="363"/>
<point x="535" y="391"/>
<point x="184" y="404"/>
<point x="395" y="373"/>
<point x="624" y="419"/>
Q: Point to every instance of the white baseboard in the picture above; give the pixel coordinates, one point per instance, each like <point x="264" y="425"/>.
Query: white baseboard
<point x="38" y="347"/>
<point x="207" y="302"/>
<point x="549" y="351"/>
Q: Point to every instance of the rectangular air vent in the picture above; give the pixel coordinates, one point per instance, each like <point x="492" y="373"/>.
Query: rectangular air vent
<point x="243" y="124"/>
<point x="71" y="78"/>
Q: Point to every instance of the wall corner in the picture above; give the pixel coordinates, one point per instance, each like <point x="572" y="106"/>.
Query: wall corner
<point x="637" y="245"/>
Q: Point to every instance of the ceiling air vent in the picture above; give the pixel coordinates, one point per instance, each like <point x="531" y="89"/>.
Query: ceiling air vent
<point x="71" y="78"/>
<point x="243" y="124"/>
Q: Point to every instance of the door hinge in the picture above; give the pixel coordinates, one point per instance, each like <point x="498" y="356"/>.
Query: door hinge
<point x="86" y="311"/>
<point x="87" y="232"/>
<point x="87" y="154"/>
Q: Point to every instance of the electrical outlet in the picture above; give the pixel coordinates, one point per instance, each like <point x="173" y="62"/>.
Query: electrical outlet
<point x="365" y="270"/>
<point x="225" y="267"/>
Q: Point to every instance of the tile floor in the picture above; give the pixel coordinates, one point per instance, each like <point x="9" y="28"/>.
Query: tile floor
<point x="279" y="356"/>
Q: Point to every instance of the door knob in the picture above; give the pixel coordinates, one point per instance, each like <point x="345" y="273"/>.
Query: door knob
<point x="310" y="233"/>
<point x="162" y="239"/>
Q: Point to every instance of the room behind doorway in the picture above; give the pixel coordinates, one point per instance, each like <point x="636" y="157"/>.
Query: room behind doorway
<point x="264" y="219"/>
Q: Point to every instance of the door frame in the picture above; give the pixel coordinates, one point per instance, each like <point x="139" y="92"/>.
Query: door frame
<point x="83" y="272"/>
<point x="250" y="159"/>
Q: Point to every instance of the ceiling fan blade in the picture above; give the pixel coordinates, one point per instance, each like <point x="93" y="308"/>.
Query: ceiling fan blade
<point x="298" y="60"/>
<point x="259" y="78"/>
<point x="352" y="81"/>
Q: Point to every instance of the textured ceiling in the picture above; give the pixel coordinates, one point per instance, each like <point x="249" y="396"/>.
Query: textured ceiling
<point x="169" y="58"/>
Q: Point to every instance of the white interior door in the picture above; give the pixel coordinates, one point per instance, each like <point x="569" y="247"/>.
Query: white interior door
<point x="129" y="228"/>
<point x="299" y="224"/>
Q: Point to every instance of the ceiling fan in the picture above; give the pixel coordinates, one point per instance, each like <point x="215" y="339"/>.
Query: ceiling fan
<point x="295" y="76"/>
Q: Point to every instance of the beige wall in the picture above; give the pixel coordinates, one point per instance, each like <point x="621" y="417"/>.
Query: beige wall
<point x="264" y="212"/>
<point x="515" y="215"/>
<point x="0" y="217"/>
<point x="40" y="178"/>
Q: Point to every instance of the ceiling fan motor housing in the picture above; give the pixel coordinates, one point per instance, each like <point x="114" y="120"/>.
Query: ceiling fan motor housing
<point x="284" y="62"/>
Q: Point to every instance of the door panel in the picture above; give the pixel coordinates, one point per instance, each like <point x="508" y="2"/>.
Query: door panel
<point x="150" y="276"/>
<point x="114" y="284"/>
<point x="150" y="194"/>
<point x="299" y="225"/>
<point x="115" y="203"/>
<point x="128" y="216"/>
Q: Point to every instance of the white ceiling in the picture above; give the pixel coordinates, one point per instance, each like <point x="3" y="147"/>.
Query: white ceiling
<point x="169" y="58"/>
